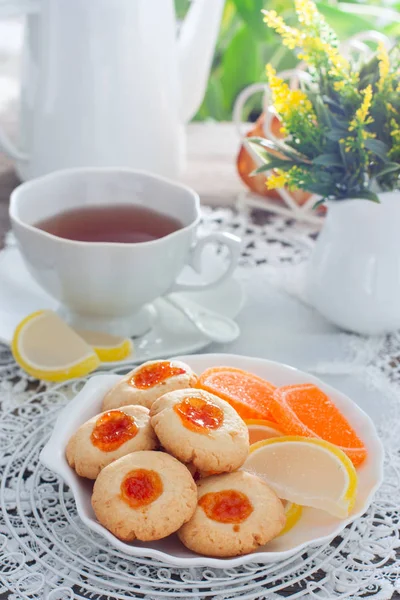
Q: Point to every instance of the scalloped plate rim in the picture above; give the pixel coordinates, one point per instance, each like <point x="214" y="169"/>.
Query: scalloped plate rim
<point x="52" y="456"/>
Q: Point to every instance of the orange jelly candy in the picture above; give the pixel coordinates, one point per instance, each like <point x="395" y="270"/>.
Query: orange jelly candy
<point x="113" y="429"/>
<point x="249" y="395"/>
<point x="199" y="415"/>
<point x="227" y="506"/>
<point x="305" y="410"/>
<point x="151" y="375"/>
<point x="141" y="487"/>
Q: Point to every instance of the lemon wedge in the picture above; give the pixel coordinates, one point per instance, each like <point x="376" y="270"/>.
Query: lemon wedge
<point x="47" y="348"/>
<point x="306" y="471"/>
<point x="293" y="514"/>
<point x="260" y="429"/>
<point x="109" y="348"/>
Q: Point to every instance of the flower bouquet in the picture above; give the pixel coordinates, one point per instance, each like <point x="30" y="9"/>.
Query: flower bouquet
<point x="341" y="142"/>
<point x="341" y="127"/>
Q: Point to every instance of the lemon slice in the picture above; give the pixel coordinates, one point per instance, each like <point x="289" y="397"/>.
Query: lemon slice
<point x="109" y="348"/>
<point x="49" y="349"/>
<point x="260" y="429"/>
<point x="293" y="514"/>
<point x="309" y="472"/>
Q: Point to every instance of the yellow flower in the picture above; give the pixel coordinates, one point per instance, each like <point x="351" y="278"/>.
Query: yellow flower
<point x="347" y="143"/>
<point x="291" y="37"/>
<point x="361" y="116"/>
<point x="394" y="152"/>
<point x="338" y="62"/>
<point x="366" y="135"/>
<point x="307" y="12"/>
<point x="395" y="130"/>
<point x="309" y="16"/>
<point x="277" y="180"/>
<point x="311" y="45"/>
<point x="384" y="65"/>
<point x="285" y="100"/>
<point x="339" y="85"/>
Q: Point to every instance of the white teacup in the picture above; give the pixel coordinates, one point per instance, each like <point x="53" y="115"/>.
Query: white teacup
<point x="108" y="286"/>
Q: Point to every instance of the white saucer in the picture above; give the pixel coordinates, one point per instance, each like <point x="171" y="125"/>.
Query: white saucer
<point x="171" y="334"/>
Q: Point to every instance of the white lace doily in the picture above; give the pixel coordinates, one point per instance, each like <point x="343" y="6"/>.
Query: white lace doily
<point x="46" y="552"/>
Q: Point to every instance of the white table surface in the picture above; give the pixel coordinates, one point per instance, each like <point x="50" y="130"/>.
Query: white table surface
<point x="274" y="324"/>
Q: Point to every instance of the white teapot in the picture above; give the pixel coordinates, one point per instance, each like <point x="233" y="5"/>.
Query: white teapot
<point x="109" y="83"/>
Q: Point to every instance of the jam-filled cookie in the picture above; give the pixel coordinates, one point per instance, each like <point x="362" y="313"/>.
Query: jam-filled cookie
<point x="236" y="513"/>
<point x="200" y="428"/>
<point x="108" y="436"/>
<point x="145" y="496"/>
<point x="148" y="382"/>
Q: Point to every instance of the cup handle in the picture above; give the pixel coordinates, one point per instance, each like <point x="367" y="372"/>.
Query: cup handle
<point x="234" y="245"/>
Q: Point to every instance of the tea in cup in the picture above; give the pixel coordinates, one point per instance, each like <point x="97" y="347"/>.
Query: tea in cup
<point x="106" y="243"/>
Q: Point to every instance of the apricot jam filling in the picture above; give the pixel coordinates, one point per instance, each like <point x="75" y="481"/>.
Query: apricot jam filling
<point x="227" y="506"/>
<point x="199" y="415"/>
<point x="141" y="487"/>
<point x="151" y="375"/>
<point x="113" y="429"/>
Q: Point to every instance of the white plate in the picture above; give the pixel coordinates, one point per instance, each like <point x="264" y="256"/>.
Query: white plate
<point x="315" y="526"/>
<point x="171" y="334"/>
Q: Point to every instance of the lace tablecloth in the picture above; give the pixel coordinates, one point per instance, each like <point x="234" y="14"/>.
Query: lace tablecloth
<point x="46" y="552"/>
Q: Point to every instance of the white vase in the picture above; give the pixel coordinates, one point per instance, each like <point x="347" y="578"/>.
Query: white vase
<point x="354" y="272"/>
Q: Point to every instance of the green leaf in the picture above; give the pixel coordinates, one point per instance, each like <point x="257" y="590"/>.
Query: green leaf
<point x="323" y="114"/>
<point x="338" y="108"/>
<point x="377" y="147"/>
<point x="335" y="135"/>
<point x="326" y="178"/>
<point x="281" y="58"/>
<point x="392" y="29"/>
<point x="241" y="65"/>
<point x="283" y="148"/>
<point x="230" y="23"/>
<point x="263" y="142"/>
<point x="320" y="189"/>
<point x="388" y="168"/>
<point x="364" y="195"/>
<point x="339" y="124"/>
<point x="213" y="103"/>
<point x="181" y="7"/>
<point x="319" y="203"/>
<point x="344" y="23"/>
<point x="328" y="160"/>
<point x="277" y="163"/>
<point x="265" y="156"/>
<point x="270" y="161"/>
<point x="371" y="67"/>
<point x="250" y="12"/>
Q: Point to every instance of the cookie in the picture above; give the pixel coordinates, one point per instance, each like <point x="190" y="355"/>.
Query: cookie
<point x="148" y="382"/>
<point x="236" y="513"/>
<point x="200" y="428"/>
<point x="196" y="474"/>
<point x="145" y="496"/>
<point x="108" y="436"/>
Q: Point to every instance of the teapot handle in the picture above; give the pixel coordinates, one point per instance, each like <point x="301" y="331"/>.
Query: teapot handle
<point x="10" y="9"/>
